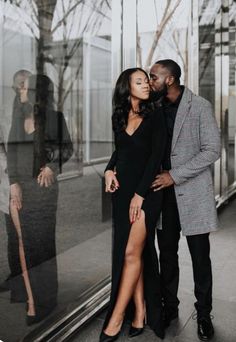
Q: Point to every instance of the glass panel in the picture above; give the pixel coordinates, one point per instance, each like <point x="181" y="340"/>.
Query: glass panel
<point x="61" y="121"/>
<point x="232" y="94"/>
<point x="210" y="65"/>
<point x="162" y="32"/>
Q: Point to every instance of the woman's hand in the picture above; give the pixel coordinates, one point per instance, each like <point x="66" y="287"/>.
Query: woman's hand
<point x="111" y="181"/>
<point x="16" y="196"/>
<point x="135" y="208"/>
<point x="46" y="177"/>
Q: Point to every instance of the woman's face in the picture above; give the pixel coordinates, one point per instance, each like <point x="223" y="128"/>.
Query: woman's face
<point x="139" y="86"/>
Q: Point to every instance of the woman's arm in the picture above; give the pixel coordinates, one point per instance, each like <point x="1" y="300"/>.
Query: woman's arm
<point x="112" y="162"/>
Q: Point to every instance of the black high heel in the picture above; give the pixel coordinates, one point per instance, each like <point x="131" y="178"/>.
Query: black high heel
<point x="107" y="338"/>
<point x="133" y="332"/>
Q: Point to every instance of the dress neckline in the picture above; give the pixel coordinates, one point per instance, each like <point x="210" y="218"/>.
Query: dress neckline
<point x="130" y="135"/>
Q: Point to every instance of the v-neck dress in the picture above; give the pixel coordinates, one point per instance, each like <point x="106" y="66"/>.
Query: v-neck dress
<point x="137" y="160"/>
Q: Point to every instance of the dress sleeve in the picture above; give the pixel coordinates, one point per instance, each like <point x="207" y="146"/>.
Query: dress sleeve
<point x="58" y="144"/>
<point x="112" y="162"/>
<point x="12" y="142"/>
<point x="153" y="166"/>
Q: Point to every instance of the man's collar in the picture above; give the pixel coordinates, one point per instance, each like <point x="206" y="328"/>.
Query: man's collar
<point x="177" y="101"/>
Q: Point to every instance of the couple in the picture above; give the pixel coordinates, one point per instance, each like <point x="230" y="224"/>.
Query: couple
<point x="162" y="161"/>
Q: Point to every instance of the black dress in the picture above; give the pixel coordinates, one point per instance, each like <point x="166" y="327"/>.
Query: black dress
<point x="49" y="145"/>
<point x="137" y="159"/>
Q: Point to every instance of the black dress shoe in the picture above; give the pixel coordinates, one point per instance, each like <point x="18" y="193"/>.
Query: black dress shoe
<point x="107" y="338"/>
<point x="41" y="313"/>
<point x="170" y="316"/>
<point x="160" y="330"/>
<point x="205" y="328"/>
<point x="135" y="331"/>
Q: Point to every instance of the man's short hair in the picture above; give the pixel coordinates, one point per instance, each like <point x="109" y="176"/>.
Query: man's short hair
<point x="172" y="67"/>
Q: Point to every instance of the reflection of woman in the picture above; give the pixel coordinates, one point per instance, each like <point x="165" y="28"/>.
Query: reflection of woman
<point x="139" y="147"/>
<point x="38" y="145"/>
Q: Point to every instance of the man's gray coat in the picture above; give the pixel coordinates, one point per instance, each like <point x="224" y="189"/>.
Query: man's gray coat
<point x="4" y="183"/>
<point x="195" y="147"/>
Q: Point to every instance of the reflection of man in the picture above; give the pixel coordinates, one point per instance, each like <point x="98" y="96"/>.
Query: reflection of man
<point x="4" y="185"/>
<point x="189" y="204"/>
<point x="4" y="190"/>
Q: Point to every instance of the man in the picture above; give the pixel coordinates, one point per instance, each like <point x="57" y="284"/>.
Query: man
<point x="189" y="205"/>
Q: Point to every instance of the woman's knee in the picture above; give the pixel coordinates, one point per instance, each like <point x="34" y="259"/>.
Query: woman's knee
<point x="131" y="254"/>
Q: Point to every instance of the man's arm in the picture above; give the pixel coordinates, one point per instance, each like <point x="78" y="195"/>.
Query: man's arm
<point x="210" y="148"/>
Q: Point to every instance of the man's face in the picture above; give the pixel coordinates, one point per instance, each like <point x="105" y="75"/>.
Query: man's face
<point x="159" y="78"/>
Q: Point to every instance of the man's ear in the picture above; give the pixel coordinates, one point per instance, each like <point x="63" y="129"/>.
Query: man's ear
<point x="170" y="80"/>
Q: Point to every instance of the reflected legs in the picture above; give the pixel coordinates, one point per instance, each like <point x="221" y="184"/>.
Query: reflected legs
<point x="16" y="221"/>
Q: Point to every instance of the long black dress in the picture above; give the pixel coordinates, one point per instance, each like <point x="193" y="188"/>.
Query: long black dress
<point x="137" y="159"/>
<point x="49" y="145"/>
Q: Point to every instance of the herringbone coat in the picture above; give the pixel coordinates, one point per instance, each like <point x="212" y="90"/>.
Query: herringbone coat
<point x="195" y="147"/>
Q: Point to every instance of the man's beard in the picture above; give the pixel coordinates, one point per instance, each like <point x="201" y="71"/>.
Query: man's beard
<point x="156" y="95"/>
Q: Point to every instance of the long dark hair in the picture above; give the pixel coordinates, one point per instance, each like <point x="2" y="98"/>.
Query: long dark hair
<point x="121" y="100"/>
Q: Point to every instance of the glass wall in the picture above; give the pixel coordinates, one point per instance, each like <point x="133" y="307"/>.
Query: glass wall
<point x="162" y="32"/>
<point x="55" y="137"/>
<point x="217" y="82"/>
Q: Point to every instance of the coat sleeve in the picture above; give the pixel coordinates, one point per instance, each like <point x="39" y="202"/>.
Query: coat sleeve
<point x="209" y="151"/>
<point x="159" y="137"/>
<point x="58" y="144"/>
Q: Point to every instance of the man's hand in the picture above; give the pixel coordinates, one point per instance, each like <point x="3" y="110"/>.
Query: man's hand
<point x="111" y="181"/>
<point x="46" y="177"/>
<point x="161" y="181"/>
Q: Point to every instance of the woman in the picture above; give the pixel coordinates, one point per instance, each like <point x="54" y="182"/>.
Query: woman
<point x="139" y="147"/>
<point x="38" y="145"/>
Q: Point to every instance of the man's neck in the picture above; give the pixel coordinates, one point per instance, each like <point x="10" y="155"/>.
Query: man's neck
<point x="173" y="93"/>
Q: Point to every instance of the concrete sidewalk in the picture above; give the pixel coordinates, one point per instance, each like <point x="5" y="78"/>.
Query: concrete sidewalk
<point x="223" y="254"/>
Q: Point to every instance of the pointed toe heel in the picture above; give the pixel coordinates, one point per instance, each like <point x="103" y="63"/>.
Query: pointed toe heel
<point x="107" y="338"/>
<point x="133" y="332"/>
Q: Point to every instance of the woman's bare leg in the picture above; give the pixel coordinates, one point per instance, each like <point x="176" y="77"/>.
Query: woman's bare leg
<point x="139" y="302"/>
<point x="16" y="221"/>
<point x="130" y="275"/>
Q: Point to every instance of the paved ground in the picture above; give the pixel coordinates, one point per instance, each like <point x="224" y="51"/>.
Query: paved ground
<point x="224" y="294"/>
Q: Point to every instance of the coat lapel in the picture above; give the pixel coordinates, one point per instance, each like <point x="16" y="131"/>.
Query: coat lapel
<point x="182" y="112"/>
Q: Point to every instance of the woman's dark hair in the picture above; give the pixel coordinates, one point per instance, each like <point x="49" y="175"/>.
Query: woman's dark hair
<point x="173" y="68"/>
<point x="121" y="100"/>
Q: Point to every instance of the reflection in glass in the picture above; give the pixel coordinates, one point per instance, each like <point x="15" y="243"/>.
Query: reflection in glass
<point x="163" y="33"/>
<point x="38" y="145"/>
<point x="232" y="96"/>
<point x="70" y="42"/>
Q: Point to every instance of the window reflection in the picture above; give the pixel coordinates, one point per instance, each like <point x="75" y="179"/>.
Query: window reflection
<point x="38" y="145"/>
<point x="57" y="116"/>
<point x="163" y="33"/>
